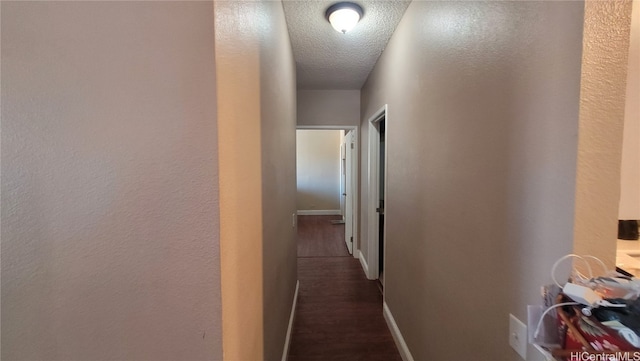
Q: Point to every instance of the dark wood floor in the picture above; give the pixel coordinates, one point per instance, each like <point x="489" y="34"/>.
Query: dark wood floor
<point x="318" y="237"/>
<point x="339" y="311"/>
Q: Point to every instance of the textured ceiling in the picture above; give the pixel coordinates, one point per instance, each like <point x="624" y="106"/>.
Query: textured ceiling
<point x="326" y="59"/>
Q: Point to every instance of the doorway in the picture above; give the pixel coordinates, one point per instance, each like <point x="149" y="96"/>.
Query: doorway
<point x="347" y="172"/>
<point x="377" y="193"/>
<point x="349" y="188"/>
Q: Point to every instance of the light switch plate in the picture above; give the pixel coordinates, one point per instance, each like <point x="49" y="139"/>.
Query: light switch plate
<point x="518" y="336"/>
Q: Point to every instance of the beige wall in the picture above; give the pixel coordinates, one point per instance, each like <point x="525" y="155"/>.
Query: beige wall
<point x="109" y="182"/>
<point x="482" y="144"/>
<point x="278" y="99"/>
<point x="328" y="107"/>
<point x="630" y="169"/>
<point x="256" y="100"/>
<point x="318" y="169"/>
<point x="602" y="104"/>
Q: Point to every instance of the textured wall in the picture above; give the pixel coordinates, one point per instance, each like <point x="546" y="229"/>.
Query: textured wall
<point x="318" y="169"/>
<point x="237" y="68"/>
<point x="109" y="182"/>
<point x="630" y="168"/>
<point x="482" y="139"/>
<point x="602" y="104"/>
<point x="278" y="100"/>
<point x="328" y="107"/>
<point x="256" y="101"/>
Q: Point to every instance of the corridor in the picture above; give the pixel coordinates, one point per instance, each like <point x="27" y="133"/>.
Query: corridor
<point x="339" y="311"/>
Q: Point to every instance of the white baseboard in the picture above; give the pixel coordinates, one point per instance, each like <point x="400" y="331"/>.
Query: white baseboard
<point x="287" y="340"/>
<point x="395" y="332"/>
<point x="319" y="212"/>
<point x="364" y="264"/>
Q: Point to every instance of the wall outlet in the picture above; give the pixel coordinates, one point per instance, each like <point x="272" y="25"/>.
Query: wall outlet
<point x="518" y="336"/>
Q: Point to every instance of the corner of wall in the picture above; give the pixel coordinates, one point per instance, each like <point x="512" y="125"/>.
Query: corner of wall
<point x="602" y="107"/>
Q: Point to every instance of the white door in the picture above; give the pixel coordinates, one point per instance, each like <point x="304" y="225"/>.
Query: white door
<point x="343" y="177"/>
<point x="349" y="187"/>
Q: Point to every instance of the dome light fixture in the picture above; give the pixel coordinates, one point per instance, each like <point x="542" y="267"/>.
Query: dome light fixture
<point x="344" y="16"/>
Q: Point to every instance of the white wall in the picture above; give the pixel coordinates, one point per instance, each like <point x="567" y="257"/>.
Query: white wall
<point x="318" y="169"/>
<point x="328" y="107"/>
<point x="109" y="182"/>
<point x="630" y="170"/>
<point x="483" y="109"/>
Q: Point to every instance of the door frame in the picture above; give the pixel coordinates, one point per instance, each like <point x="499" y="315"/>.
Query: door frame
<point x="356" y="183"/>
<point x="374" y="190"/>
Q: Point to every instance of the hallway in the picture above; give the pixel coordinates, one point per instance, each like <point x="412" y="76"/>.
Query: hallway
<point x="339" y="311"/>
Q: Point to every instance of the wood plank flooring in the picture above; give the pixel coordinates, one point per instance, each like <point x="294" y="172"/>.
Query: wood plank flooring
<point x="339" y="312"/>
<point x="318" y="237"/>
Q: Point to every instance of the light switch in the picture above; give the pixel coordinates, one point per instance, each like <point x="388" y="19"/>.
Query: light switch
<point x="518" y="336"/>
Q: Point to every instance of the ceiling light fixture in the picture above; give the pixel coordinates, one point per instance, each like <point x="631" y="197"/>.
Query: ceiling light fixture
<point x="344" y="16"/>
